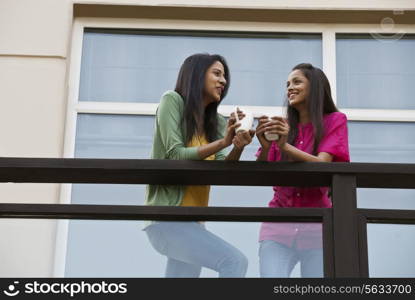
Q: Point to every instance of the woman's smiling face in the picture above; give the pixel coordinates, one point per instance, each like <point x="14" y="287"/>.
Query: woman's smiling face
<point x="214" y="83"/>
<point x="298" y="88"/>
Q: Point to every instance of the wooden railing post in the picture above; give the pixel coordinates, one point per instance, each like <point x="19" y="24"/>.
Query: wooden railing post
<point x="345" y="227"/>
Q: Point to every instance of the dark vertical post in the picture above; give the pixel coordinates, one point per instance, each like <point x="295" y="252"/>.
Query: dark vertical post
<point x="363" y="249"/>
<point x="328" y="245"/>
<point x="345" y="229"/>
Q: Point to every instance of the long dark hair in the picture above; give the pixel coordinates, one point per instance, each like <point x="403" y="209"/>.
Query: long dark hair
<point x="319" y="103"/>
<point x="190" y="85"/>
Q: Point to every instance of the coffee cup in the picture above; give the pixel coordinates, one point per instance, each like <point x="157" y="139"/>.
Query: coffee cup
<point x="246" y="122"/>
<point x="271" y="136"/>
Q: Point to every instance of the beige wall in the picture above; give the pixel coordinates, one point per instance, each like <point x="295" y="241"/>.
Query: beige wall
<point x="34" y="39"/>
<point x="34" y="49"/>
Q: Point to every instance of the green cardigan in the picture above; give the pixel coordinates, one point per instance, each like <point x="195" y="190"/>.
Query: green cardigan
<point x="169" y="143"/>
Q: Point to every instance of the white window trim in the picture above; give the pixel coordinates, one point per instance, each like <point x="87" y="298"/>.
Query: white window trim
<point x="149" y="109"/>
<point x="328" y="32"/>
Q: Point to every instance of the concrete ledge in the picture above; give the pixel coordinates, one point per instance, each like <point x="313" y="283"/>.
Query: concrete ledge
<point x="243" y="14"/>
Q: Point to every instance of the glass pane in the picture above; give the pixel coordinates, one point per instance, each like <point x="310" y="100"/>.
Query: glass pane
<point x="386" y="198"/>
<point x="383" y="143"/>
<point x="390" y="249"/>
<point x="257" y="196"/>
<point x="141" y="67"/>
<point x="108" y="136"/>
<point x="123" y="249"/>
<point x="114" y="136"/>
<point x="291" y="250"/>
<point x="373" y="73"/>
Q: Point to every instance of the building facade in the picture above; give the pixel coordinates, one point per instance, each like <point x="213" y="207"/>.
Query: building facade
<point x="83" y="79"/>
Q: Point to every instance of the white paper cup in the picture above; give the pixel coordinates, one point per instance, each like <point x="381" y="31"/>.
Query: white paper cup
<point x="246" y="122"/>
<point x="271" y="136"/>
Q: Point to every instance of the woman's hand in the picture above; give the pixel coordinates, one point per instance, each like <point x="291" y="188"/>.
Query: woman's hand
<point x="230" y="128"/>
<point x="279" y="126"/>
<point x="243" y="138"/>
<point x="263" y="121"/>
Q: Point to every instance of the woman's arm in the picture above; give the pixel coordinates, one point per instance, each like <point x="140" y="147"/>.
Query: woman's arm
<point x="235" y="154"/>
<point x="225" y="140"/>
<point x="298" y="155"/>
<point x="280" y="126"/>
<point x="169" y="116"/>
<point x="211" y="148"/>
<point x="263" y="156"/>
<point x="240" y="140"/>
<point x="265" y="144"/>
<point x="168" y="122"/>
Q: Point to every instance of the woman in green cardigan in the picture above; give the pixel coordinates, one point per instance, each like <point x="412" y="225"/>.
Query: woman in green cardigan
<point x="188" y="127"/>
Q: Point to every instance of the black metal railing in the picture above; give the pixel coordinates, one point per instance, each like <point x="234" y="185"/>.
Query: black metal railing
<point x="344" y="225"/>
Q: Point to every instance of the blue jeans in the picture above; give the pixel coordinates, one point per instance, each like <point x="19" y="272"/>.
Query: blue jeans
<point x="189" y="247"/>
<point x="278" y="260"/>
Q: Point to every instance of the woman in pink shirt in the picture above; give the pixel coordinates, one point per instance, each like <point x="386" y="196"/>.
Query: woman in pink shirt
<point x="314" y="131"/>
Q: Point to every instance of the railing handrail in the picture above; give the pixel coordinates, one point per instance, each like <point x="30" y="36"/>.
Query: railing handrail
<point x="161" y="213"/>
<point x="148" y="171"/>
<point x="345" y="256"/>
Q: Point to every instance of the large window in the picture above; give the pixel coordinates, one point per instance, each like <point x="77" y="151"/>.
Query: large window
<point x="377" y="75"/>
<point x="118" y="76"/>
<point x="120" y="68"/>
<point x="373" y="73"/>
<point x="139" y="66"/>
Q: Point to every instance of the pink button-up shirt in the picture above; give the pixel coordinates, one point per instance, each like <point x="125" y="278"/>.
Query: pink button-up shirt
<point x="334" y="142"/>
